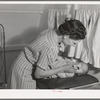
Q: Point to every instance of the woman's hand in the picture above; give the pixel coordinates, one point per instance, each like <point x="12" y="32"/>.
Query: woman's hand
<point x="69" y="67"/>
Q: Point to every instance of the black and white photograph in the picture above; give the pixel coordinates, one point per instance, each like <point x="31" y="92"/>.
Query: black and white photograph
<point x="49" y="46"/>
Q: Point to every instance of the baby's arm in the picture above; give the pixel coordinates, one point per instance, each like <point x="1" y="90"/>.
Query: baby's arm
<point x="59" y="62"/>
<point x="66" y="74"/>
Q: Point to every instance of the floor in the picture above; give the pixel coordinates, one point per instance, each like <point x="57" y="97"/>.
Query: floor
<point x="3" y="86"/>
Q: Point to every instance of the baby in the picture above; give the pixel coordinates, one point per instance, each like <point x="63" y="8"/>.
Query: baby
<point x="79" y="67"/>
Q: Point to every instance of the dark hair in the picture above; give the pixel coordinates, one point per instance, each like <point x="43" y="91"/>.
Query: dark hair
<point x="74" y="28"/>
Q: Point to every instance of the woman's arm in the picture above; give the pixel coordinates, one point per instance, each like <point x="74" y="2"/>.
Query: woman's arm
<point x="59" y="62"/>
<point x="40" y="73"/>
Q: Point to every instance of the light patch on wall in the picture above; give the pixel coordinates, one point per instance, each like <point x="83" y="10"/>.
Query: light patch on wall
<point x="20" y="27"/>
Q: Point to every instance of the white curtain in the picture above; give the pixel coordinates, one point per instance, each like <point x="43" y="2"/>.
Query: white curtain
<point x="56" y="17"/>
<point x="87" y="50"/>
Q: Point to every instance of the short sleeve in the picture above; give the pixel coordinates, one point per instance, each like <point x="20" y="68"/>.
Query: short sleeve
<point x="42" y="61"/>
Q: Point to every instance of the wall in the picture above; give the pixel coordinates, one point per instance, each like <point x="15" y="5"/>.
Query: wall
<point x="21" y="22"/>
<point x="89" y="6"/>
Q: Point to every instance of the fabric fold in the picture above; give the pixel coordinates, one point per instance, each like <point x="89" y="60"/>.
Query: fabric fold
<point x="87" y="50"/>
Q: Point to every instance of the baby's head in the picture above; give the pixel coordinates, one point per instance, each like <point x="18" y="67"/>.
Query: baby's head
<point x="81" y="68"/>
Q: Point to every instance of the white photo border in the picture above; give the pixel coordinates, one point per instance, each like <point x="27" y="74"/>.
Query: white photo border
<point x="50" y="94"/>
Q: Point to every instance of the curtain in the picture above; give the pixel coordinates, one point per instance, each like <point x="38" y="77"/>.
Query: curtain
<point x="56" y="17"/>
<point x="87" y="50"/>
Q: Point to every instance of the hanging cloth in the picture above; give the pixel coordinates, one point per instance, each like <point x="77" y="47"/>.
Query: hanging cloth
<point x="56" y="17"/>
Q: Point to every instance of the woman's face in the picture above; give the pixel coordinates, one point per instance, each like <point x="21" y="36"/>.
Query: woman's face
<point x="70" y="42"/>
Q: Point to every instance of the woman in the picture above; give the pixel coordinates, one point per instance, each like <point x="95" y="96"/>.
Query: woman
<point x="36" y="60"/>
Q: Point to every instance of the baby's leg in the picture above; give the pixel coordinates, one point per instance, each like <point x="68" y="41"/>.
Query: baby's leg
<point x="62" y="75"/>
<point x="70" y="74"/>
<point x="65" y="75"/>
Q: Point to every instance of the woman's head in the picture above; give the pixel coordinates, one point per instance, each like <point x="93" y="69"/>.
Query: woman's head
<point x="73" y="29"/>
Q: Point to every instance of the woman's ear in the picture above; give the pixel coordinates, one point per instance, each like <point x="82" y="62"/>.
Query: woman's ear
<point x="65" y="36"/>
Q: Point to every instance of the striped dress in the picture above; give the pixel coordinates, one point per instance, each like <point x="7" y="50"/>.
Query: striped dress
<point x="43" y="51"/>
